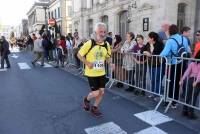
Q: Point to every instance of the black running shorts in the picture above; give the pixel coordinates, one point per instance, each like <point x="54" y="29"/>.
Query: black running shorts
<point x="97" y="82"/>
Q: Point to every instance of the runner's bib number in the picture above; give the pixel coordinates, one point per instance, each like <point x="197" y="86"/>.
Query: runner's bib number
<point x="99" y="65"/>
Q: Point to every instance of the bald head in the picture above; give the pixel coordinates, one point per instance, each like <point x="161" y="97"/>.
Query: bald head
<point x="165" y="26"/>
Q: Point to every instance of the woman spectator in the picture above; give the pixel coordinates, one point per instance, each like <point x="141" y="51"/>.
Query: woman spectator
<point x="117" y="59"/>
<point x="128" y="63"/>
<point x="141" y="67"/>
<point x="154" y="47"/>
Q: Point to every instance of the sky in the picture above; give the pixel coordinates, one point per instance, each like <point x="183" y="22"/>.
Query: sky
<point x="13" y="11"/>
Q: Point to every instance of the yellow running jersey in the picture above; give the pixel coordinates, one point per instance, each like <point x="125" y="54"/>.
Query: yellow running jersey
<point x="97" y="55"/>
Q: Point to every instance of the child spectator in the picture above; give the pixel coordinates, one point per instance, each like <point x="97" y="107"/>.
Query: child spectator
<point x="193" y="87"/>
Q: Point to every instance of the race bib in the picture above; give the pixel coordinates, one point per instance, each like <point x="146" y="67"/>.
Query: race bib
<point x="99" y="65"/>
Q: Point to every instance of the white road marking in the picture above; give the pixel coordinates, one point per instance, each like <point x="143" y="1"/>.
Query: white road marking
<point x="116" y="97"/>
<point x="106" y="128"/>
<point x="15" y="50"/>
<point x="151" y="130"/>
<point x="45" y="64"/>
<point x="24" y="66"/>
<point x="2" y="70"/>
<point x="153" y="117"/>
<point x="15" y="56"/>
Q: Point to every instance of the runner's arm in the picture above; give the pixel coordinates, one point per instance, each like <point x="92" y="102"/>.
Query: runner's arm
<point x="83" y="59"/>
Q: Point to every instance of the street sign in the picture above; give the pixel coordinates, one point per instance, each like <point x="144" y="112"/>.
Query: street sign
<point x="52" y="22"/>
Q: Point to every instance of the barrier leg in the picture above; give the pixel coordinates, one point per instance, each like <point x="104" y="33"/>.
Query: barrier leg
<point x="168" y="106"/>
<point x="110" y="83"/>
<point x="158" y="105"/>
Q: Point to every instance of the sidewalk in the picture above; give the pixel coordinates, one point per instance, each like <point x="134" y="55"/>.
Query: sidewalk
<point x="146" y="102"/>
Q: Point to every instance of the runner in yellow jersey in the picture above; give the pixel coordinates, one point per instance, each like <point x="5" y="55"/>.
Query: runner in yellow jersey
<point x="93" y="54"/>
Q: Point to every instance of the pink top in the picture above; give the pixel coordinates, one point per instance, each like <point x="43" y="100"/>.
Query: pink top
<point x="193" y="70"/>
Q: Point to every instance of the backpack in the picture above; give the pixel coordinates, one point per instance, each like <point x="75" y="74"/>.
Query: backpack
<point x="94" y="44"/>
<point x="181" y="51"/>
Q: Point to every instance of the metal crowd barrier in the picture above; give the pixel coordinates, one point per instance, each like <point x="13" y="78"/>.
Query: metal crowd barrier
<point x="141" y="72"/>
<point x="72" y="63"/>
<point x="184" y="94"/>
<point x="70" y="58"/>
<point x="152" y="75"/>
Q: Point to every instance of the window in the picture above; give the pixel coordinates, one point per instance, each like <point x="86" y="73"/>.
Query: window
<point x="123" y="24"/>
<point x="70" y="28"/>
<point x="70" y="12"/>
<point x="55" y="11"/>
<point x="52" y="14"/>
<point x="104" y="19"/>
<point x="92" y="3"/>
<point x="49" y="15"/>
<point x="181" y="16"/>
<point x="90" y="27"/>
<point x="58" y="12"/>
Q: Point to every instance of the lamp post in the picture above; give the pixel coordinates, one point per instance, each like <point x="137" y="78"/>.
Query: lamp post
<point x="132" y="5"/>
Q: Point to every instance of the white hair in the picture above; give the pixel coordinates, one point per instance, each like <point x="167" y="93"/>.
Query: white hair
<point x="165" y="22"/>
<point x="98" y="25"/>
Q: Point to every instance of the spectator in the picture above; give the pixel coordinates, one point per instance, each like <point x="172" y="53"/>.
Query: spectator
<point x="34" y="37"/>
<point x="76" y="43"/>
<point x="154" y="47"/>
<point x="186" y="32"/>
<point x="164" y="32"/>
<point x="4" y="51"/>
<point x="62" y="51"/>
<point x="193" y="85"/>
<point x="141" y="67"/>
<point x="45" y="45"/>
<point x="109" y="38"/>
<point x="69" y="45"/>
<point x="197" y="44"/>
<point x="29" y="43"/>
<point x="128" y="63"/>
<point x="117" y="59"/>
<point x="38" y="50"/>
<point x="170" y="50"/>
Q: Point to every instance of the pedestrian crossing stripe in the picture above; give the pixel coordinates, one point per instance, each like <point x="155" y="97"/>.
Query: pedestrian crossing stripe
<point x="151" y="130"/>
<point x="45" y="64"/>
<point x="24" y="66"/>
<point x="106" y="128"/>
<point x="2" y="70"/>
<point x="14" y="56"/>
<point x="153" y="117"/>
<point x="14" y="50"/>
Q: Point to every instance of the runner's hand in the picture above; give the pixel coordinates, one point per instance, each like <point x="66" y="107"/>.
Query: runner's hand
<point x="89" y="64"/>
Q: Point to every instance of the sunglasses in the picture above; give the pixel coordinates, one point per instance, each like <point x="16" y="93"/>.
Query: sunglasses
<point x="198" y="34"/>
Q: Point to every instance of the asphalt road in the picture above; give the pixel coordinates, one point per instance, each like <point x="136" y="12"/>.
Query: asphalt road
<point x="46" y="100"/>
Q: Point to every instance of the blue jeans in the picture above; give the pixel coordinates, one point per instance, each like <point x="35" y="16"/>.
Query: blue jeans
<point x="155" y="75"/>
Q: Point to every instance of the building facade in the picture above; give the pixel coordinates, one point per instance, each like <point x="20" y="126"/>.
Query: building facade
<point x="36" y="16"/>
<point x="41" y="11"/>
<point x="138" y="16"/>
<point x="61" y="11"/>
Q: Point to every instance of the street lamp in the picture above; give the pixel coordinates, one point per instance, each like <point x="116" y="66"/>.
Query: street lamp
<point x="132" y="5"/>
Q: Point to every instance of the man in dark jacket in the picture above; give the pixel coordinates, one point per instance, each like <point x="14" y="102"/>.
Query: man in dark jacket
<point x="4" y="52"/>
